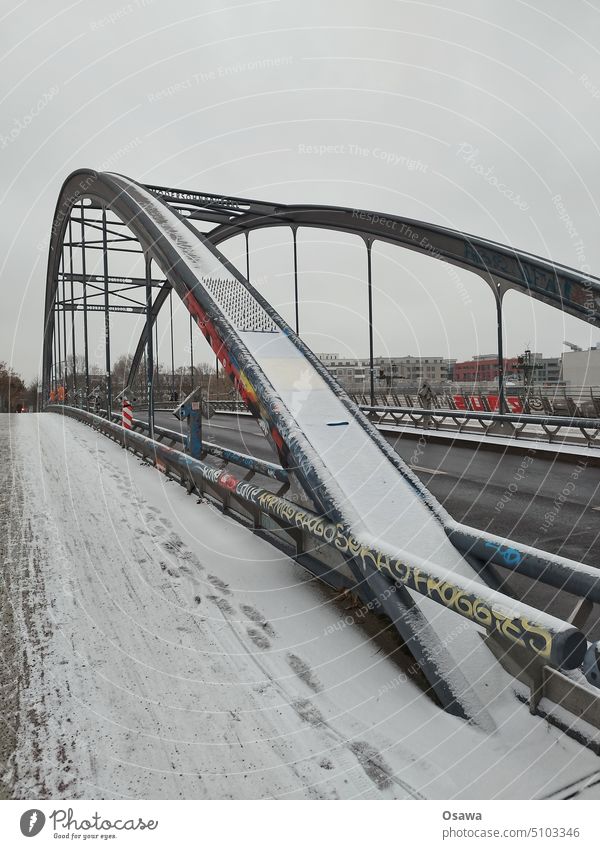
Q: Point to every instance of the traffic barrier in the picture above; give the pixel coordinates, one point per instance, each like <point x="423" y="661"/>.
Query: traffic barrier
<point x="127" y="415"/>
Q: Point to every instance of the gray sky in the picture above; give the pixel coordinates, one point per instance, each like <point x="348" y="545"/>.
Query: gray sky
<point x="383" y="105"/>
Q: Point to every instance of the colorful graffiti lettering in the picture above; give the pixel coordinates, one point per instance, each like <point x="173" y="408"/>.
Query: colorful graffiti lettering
<point x="517" y="629"/>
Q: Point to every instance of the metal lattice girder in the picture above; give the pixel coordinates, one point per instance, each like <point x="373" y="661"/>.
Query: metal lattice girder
<point x="504" y="267"/>
<point x="77" y="307"/>
<point x="112" y="279"/>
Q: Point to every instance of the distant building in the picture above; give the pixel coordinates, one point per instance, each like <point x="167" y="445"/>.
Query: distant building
<point x="390" y="374"/>
<point x="410" y="369"/>
<point x="550" y="371"/>
<point x="449" y="369"/>
<point x="398" y="374"/>
<point x="581" y="368"/>
<point x="483" y="369"/>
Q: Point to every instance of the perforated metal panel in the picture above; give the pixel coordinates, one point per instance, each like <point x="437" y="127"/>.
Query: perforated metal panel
<point x="238" y="305"/>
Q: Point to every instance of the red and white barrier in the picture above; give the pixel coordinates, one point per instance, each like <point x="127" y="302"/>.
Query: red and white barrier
<point x="127" y="415"/>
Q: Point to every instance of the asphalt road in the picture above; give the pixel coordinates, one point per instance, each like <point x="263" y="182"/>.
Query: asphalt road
<point x="513" y="495"/>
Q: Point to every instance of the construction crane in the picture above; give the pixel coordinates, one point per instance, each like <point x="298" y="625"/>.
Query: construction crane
<point x="572" y="346"/>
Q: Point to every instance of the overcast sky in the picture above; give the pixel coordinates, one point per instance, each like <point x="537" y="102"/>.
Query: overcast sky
<point x="243" y="97"/>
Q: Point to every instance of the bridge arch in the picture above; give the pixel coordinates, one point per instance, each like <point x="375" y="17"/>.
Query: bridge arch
<point x="501" y="267"/>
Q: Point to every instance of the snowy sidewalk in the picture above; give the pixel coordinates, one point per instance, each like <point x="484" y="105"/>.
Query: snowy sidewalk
<point x="162" y="651"/>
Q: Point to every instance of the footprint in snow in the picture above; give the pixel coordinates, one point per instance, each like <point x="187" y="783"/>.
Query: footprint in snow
<point x="222" y="604"/>
<point x="219" y="584"/>
<point x="304" y="672"/>
<point x="256" y="616"/>
<point x="258" y="638"/>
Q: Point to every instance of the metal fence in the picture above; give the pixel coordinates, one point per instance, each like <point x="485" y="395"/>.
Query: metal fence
<point x="551" y="400"/>
<point x="563" y="430"/>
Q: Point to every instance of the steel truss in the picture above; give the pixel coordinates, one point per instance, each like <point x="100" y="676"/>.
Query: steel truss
<point x="502" y="268"/>
<point x="223" y="217"/>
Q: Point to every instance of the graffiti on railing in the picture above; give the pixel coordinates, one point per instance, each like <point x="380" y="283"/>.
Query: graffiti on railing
<point x="510" y="556"/>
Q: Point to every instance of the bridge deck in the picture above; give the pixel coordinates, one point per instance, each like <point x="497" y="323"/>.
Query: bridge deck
<point x="162" y="651"/>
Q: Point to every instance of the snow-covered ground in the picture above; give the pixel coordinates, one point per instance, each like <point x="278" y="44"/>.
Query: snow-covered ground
<point x="155" y="649"/>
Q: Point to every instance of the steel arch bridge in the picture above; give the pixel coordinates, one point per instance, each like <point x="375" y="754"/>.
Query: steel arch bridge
<point x="451" y="564"/>
<point x="501" y="267"/>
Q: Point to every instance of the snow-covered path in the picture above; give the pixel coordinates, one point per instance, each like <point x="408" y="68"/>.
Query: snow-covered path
<point x="162" y="651"/>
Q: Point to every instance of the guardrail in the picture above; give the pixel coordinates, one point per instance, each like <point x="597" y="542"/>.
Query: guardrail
<point x="551" y="429"/>
<point x="579" y="402"/>
<point x="489" y="550"/>
<point x="245" y="461"/>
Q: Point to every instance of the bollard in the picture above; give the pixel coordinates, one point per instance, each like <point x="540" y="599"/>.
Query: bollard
<point x="192" y="410"/>
<point x="195" y="430"/>
<point x="127" y="415"/>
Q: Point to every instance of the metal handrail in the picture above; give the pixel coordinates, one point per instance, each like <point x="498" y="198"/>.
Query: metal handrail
<point x="548" y="428"/>
<point x="516" y="418"/>
<point x="245" y="461"/>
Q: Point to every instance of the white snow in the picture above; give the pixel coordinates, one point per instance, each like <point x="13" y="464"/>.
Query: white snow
<point x="133" y="688"/>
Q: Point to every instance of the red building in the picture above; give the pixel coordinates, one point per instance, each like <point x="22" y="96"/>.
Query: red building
<point x="483" y="369"/>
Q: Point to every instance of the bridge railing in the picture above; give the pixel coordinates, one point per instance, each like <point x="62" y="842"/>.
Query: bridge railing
<point x="576" y="401"/>
<point x="550" y="429"/>
<point x="175" y="438"/>
<point x="565" y="430"/>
